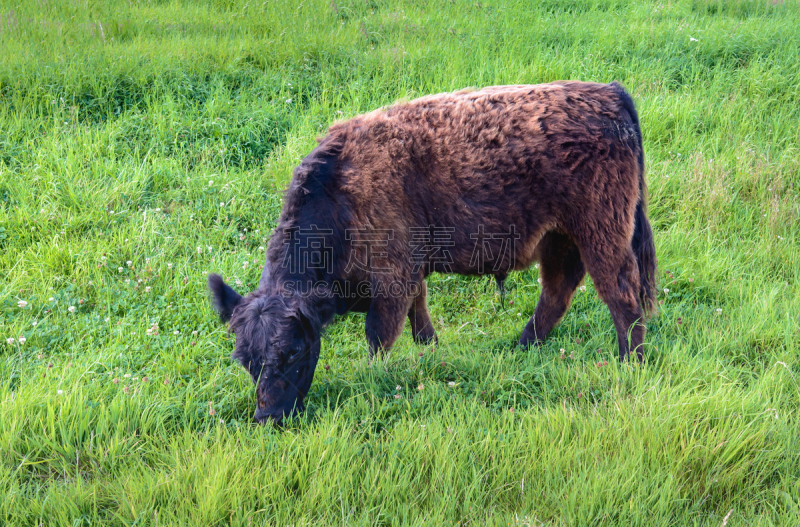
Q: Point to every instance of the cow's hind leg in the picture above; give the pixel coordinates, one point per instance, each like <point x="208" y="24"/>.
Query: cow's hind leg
<point x="616" y="279"/>
<point x="561" y="270"/>
<point x="419" y="318"/>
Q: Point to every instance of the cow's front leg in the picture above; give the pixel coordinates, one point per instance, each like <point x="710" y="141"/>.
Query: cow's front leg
<point x="385" y="320"/>
<point x="421" y="323"/>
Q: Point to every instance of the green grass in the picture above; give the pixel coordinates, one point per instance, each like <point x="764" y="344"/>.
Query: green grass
<point x="185" y="120"/>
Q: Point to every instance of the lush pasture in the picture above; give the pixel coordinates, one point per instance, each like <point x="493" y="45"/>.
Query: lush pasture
<point x="144" y="144"/>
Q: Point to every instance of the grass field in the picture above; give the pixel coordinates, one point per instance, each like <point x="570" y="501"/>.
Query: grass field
<point x="145" y="144"/>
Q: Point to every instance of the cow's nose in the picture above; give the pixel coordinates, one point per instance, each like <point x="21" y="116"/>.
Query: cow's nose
<point x="263" y="415"/>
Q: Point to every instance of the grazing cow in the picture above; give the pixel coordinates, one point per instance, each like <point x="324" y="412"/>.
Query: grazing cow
<point x="471" y="182"/>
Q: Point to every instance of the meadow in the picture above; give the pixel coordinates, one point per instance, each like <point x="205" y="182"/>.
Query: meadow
<point x="144" y="144"/>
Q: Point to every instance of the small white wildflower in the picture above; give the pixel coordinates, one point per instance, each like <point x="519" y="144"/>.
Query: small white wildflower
<point x="199" y="250"/>
<point x="22" y="339"/>
<point x="398" y="388"/>
<point x="221" y="204"/>
<point x="10" y="340"/>
<point x="175" y="332"/>
<point x="211" y="182"/>
<point x="261" y="248"/>
<point x="719" y="311"/>
<point x="209" y="248"/>
<point x="539" y="280"/>
<point x="71" y="309"/>
<point x="169" y="266"/>
<point x="60" y="392"/>
<point x="583" y="288"/>
<point x="51" y="299"/>
<point x="692" y="39"/>
<point x="451" y="384"/>
<point x="536" y="266"/>
<point x="102" y="258"/>
<point x="519" y="314"/>
<point x="129" y="263"/>
<point x="147" y="289"/>
<point x="127" y="375"/>
<point x="288" y="101"/>
<point x="194" y="332"/>
<point x="127" y="280"/>
<point x="22" y="303"/>
<point x="666" y="290"/>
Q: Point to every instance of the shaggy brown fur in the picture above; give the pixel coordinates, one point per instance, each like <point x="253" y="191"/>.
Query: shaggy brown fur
<point x="550" y="173"/>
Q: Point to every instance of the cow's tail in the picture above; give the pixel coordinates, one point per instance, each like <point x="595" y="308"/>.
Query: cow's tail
<point x="642" y="243"/>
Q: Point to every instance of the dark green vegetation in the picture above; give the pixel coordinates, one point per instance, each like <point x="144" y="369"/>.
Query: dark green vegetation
<point x="144" y="144"/>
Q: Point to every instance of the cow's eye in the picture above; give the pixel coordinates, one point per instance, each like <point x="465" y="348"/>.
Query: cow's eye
<point x="295" y="354"/>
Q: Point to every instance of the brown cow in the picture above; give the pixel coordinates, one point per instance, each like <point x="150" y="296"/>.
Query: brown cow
<point x="471" y="182"/>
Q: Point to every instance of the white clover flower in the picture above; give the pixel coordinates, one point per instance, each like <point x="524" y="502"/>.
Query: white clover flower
<point x="582" y="288"/>
<point x="71" y="309"/>
<point x="22" y="304"/>
<point x="10" y="341"/>
<point x="119" y="269"/>
<point x="209" y="248"/>
<point x="692" y="39"/>
<point x="60" y="392"/>
<point x="536" y="266"/>
<point x="451" y="384"/>
<point x="51" y="299"/>
<point x="719" y="311"/>
<point x="199" y="250"/>
<point x="222" y="204"/>
<point x="261" y="248"/>
<point x="176" y="332"/>
<point x="127" y="375"/>
<point x="147" y="289"/>
<point x="129" y="263"/>
<point x="288" y="101"/>
<point x="539" y="280"/>
<point x="22" y="339"/>
<point x="666" y="290"/>
<point x="169" y="266"/>
<point x="194" y="332"/>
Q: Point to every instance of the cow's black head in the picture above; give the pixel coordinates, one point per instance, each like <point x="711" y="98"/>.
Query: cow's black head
<point x="275" y="341"/>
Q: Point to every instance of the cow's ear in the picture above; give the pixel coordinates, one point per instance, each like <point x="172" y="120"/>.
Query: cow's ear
<point x="223" y="297"/>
